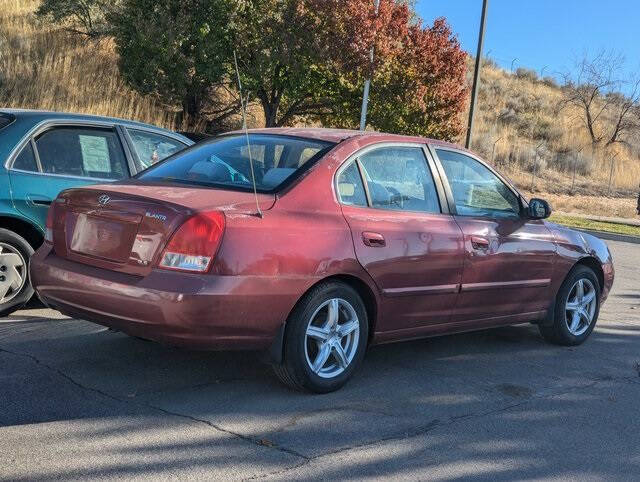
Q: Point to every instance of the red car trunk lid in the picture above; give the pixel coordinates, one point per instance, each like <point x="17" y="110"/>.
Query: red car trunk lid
<point x="126" y="227"/>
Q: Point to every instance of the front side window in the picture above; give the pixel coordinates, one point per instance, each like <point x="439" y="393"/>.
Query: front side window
<point x="398" y="178"/>
<point x="151" y="147"/>
<point x="476" y="190"/>
<point x="226" y="162"/>
<point x="84" y="152"/>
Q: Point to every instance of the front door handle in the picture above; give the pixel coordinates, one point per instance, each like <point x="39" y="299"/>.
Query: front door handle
<point x="375" y="240"/>
<point x="479" y="243"/>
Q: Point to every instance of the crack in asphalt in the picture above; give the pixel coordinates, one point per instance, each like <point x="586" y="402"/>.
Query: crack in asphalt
<point x="305" y="459"/>
<point x="434" y="424"/>
<point x="246" y="438"/>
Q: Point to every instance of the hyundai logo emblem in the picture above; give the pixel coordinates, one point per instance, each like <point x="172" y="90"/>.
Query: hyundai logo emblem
<point x="104" y="199"/>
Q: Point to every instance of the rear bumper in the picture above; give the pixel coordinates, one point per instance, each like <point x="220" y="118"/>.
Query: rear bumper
<point x="196" y="311"/>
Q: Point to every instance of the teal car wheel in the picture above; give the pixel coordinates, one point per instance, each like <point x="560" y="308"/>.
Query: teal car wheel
<point x="15" y="286"/>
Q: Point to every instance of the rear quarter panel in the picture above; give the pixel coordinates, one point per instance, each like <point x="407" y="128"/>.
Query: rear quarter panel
<point x="302" y="240"/>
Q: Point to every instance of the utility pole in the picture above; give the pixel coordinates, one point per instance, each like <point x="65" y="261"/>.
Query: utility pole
<point x="367" y="84"/>
<point x="476" y="73"/>
<point x="613" y="158"/>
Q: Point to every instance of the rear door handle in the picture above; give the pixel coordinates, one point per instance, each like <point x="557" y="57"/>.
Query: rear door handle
<point x="479" y="243"/>
<point x="39" y="200"/>
<point x="375" y="240"/>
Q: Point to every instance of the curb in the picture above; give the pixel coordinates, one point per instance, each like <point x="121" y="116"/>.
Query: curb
<point x="611" y="236"/>
<point x="603" y="219"/>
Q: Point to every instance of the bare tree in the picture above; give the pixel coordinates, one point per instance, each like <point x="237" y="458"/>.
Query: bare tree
<point x="607" y="99"/>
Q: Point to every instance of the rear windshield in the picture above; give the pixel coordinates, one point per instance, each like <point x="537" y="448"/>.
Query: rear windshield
<point x="5" y="120"/>
<point x="225" y="162"/>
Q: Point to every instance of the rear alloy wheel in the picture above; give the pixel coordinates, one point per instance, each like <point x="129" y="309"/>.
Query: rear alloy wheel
<point x="576" y="310"/>
<point x="15" y="286"/>
<point x="325" y="339"/>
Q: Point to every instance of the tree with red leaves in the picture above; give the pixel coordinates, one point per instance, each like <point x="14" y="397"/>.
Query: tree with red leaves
<point x="418" y="73"/>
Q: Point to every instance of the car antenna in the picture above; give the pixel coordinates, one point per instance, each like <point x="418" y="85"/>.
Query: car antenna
<point x="246" y="134"/>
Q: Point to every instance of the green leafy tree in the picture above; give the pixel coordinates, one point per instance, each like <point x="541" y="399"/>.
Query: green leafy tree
<point x="281" y="64"/>
<point x="85" y="17"/>
<point x="178" y="50"/>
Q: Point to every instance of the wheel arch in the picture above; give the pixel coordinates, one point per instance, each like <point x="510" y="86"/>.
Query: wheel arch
<point x="359" y="285"/>
<point x="590" y="262"/>
<point x="595" y="265"/>
<point x="26" y="229"/>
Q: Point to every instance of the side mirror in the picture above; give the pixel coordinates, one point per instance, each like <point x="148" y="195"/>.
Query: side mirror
<point x="539" y="209"/>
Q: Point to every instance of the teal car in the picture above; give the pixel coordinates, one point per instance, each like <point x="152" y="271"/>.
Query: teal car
<point x="43" y="153"/>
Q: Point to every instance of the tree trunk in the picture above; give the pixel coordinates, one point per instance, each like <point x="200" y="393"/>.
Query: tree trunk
<point x="191" y="107"/>
<point x="270" y="114"/>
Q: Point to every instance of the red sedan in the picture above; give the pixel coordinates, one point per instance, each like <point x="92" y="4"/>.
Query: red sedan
<point x="350" y="239"/>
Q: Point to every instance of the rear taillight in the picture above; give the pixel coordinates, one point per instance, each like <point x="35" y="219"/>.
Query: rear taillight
<point x="194" y="245"/>
<point x="48" y="231"/>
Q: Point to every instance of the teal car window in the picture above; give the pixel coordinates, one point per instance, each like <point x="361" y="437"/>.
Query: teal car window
<point x="5" y="120"/>
<point x="83" y="152"/>
<point x="152" y="148"/>
<point x="26" y="160"/>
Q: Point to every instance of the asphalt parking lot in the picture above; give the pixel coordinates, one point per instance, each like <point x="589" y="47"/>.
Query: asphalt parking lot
<point x="80" y="401"/>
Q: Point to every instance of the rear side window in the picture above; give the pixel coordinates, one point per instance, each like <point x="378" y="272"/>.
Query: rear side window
<point x="399" y="178"/>
<point x="83" y="152"/>
<point x="26" y="160"/>
<point x="5" y="120"/>
<point x="350" y="187"/>
<point x="151" y="147"/>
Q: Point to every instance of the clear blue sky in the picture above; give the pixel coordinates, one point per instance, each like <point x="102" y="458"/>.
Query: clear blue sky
<point x="543" y="33"/>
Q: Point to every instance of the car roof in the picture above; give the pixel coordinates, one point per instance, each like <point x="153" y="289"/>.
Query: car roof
<point x="35" y="116"/>
<point x="339" y="135"/>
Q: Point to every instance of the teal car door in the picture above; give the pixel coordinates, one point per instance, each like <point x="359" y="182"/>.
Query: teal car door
<point x="60" y="158"/>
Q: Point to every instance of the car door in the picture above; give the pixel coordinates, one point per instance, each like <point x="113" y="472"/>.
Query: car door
<point x="403" y="235"/>
<point x="508" y="258"/>
<point x="150" y="147"/>
<point x="61" y="157"/>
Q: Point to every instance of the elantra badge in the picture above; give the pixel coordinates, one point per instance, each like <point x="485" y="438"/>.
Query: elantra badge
<point x="104" y="199"/>
<point x="159" y="217"/>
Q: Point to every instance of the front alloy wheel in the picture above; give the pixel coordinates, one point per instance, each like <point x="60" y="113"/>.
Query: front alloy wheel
<point x="325" y="339"/>
<point x="576" y="308"/>
<point x="580" y="307"/>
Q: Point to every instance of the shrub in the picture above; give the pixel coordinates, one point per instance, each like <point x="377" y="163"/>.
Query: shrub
<point x="565" y="159"/>
<point x="550" y="82"/>
<point x="531" y="160"/>
<point x="545" y="129"/>
<point x="527" y="74"/>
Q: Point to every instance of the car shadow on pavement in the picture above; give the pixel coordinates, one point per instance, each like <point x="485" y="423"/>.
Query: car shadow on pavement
<point x="499" y="403"/>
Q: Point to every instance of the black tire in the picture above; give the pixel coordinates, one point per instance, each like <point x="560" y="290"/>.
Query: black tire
<point x="19" y="244"/>
<point x="558" y="332"/>
<point x="294" y="371"/>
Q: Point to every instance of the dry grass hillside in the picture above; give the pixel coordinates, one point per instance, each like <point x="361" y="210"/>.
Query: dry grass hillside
<point x="43" y="67"/>
<point x="521" y="128"/>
